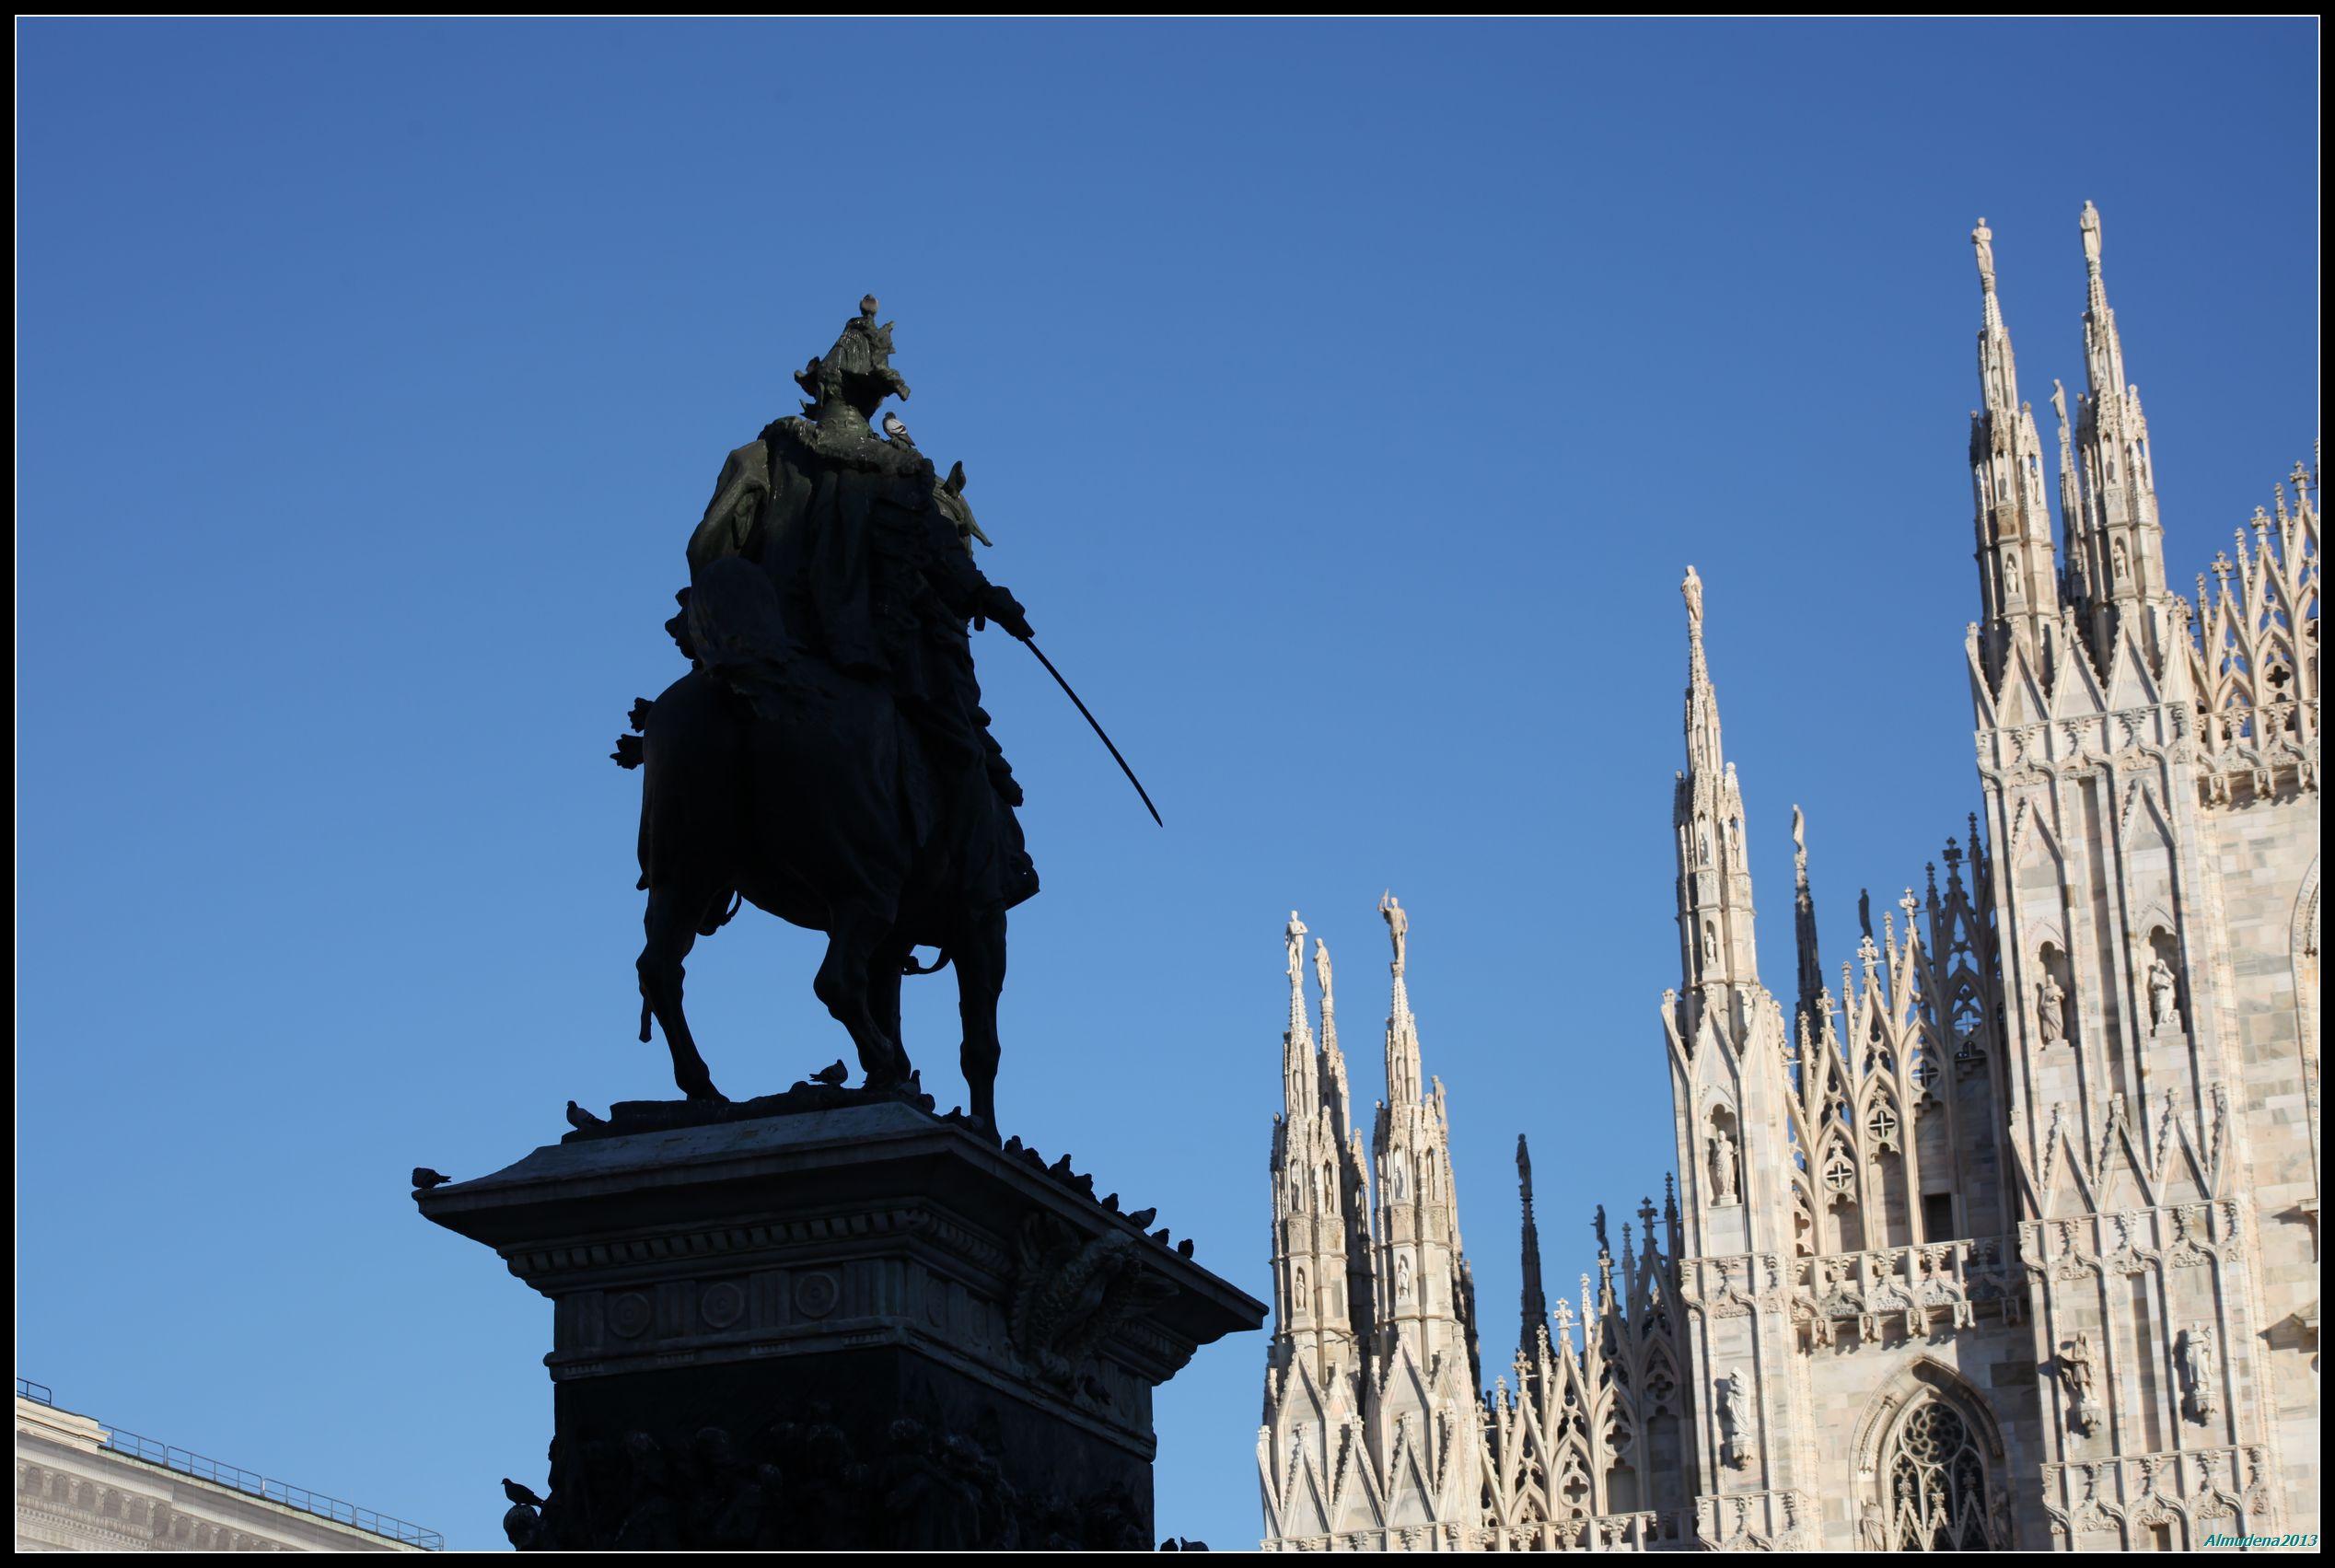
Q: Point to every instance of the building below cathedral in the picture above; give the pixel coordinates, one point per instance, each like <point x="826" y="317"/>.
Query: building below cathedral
<point x="83" y="1486"/>
<point x="2006" y="1235"/>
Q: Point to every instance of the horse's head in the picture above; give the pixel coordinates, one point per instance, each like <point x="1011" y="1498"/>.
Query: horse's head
<point x="858" y="369"/>
<point x="949" y="496"/>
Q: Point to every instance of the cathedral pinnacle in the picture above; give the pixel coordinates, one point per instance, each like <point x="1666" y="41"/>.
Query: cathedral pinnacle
<point x="2113" y="531"/>
<point x="1535" y="1299"/>
<point x="1703" y="702"/>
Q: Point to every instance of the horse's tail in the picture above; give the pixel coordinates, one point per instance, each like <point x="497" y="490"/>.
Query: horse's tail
<point x="910" y="966"/>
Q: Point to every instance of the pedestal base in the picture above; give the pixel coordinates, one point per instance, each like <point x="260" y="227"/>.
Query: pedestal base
<point x="852" y="1327"/>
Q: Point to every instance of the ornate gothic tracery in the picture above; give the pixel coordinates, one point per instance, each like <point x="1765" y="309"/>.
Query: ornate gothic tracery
<point x="1936" y="1484"/>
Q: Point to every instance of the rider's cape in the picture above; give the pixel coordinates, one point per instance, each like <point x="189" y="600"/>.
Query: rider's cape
<point x="872" y="582"/>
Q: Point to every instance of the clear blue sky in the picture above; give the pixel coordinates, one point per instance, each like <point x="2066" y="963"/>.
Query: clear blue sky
<point x="1346" y="402"/>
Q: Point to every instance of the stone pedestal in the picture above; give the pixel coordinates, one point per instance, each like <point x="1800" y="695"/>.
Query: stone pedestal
<point x="852" y="1327"/>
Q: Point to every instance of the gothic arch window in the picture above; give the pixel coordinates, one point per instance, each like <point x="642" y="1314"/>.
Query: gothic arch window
<point x="1935" y="1486"/>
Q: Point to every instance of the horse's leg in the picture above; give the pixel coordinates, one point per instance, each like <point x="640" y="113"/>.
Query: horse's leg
<point x="981" y="977"/>
<point x="672" y="927"/>
<point x="854" y="931"/>
<point x="883" y="992"/>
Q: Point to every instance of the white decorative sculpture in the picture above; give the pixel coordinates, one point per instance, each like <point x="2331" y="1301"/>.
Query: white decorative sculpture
<point x="2050" y="1009"/>
<point x="2164" y="995"/>
<point x="2075" y="1375"/>
<point x="2194" y="1355"/>
<point x="1397" y="924"/>
<point x="1723" y="1166"/>
<point x="1735" y="1420"/>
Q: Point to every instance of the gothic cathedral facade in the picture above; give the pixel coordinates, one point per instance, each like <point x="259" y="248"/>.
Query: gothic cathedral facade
<point x="2004" y="1236"/>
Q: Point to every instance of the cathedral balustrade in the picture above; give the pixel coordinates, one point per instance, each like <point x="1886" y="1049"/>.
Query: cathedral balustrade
<point x="1757" y="1521"/>
<point x="1924" y="1289"/>
<point x="2177" y="1236"/>
<point x="1400" y="1538"/>
<point x="2174" y="1501"/>
<point x="1645" y="1531"/>
<point x="2257" y="753"/>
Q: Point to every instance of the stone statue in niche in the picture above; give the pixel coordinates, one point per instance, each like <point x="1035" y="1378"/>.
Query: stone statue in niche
<point x="1402" y="1277"/>
<point x="1710" y="943"/>
<point x="2164" y="995"/>
<point x="1735" y="1420"/>
<point x="2075" y="1368"/>
<point x="2194" y="1355"/>
<point x="1723" y="1166"/>
<point x="2050" y="1009"/>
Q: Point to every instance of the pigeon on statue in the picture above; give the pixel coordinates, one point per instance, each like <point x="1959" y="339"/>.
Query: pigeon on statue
<point x="896" y="429"/>
<point x="1143" y="1217"/>
<point x="424" y="1178"/>
<point x="524" y="1496"/>
<point x="832" y="1077"/>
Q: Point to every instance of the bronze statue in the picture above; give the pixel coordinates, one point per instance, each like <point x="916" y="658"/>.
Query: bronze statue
<point x="827" y="758"/>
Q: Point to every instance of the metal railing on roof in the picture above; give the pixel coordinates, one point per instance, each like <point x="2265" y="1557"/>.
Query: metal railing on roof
<point x="130" y="1446"/>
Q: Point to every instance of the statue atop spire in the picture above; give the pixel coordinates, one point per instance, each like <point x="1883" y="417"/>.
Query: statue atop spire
<point x="1294" y="935"/>
<point x="2090" y="223"/>
<point x="1982" y="241"/>
<point x="1692" y="588"/>
<point x="1398" y="927"/>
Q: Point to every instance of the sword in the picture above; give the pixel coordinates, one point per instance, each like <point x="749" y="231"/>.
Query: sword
<point x="1032" y="645"/>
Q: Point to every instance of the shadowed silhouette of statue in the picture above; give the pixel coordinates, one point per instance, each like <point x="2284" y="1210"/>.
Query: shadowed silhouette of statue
<point x="826" y="757"/>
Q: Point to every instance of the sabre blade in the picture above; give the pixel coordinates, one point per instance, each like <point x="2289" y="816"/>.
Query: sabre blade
<point x="1084" y="712"/>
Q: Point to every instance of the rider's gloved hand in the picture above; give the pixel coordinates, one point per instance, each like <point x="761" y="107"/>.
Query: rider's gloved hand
<point x="1006" y="611"/>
